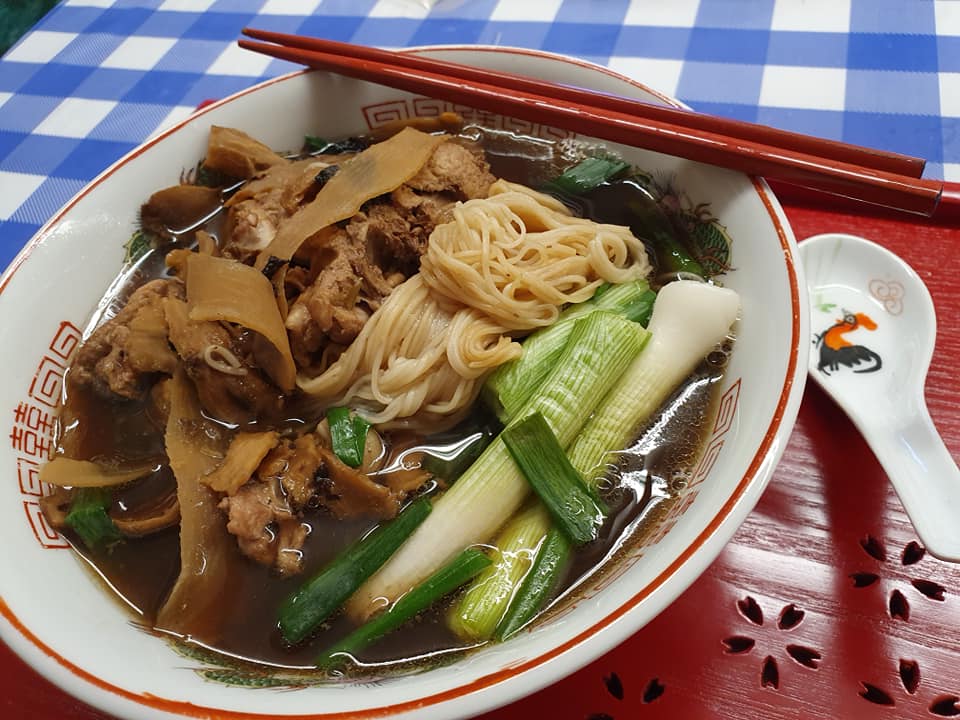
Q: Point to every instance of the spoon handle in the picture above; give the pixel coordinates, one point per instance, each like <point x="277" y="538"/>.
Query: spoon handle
<point x="925" y="477"/>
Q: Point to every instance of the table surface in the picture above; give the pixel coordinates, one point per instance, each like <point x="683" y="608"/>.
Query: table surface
<point x="824" y="605"/>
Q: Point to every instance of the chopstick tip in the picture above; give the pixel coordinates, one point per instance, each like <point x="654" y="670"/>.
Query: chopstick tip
<point x="253" y="32"/>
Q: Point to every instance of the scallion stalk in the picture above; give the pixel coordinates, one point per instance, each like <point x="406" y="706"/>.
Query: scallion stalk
<point x="511" y="385"/>
<point x="689" y="319"/>
<point x="477" y="612"/>
<point x="461" y="569"/>
<point x="553" y="557"/>
<point x="599" y="348"/>
<point x="535" y="449"/>
<point x="322" y="594"/>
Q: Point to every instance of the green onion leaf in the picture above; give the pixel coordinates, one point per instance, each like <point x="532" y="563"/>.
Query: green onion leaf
<point x="317" y="599"/>
<point x="89" y="519"/>
<point x="587" y="175"/>
<point x="543" y="463"/>
<point x="449" y="464"/>
<point x="481" y="607"/>
<point x="348" y="435"/>
<point x="538" y="584"/>
<point x="649" y="222"/>
<point x="463" y="567"/>
<point x="672" y="257"/>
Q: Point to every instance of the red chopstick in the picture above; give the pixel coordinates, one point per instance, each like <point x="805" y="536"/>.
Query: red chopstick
<point x="947" y="213"/>
<point x="851" y="180"/>
<point x="807" y="144"/>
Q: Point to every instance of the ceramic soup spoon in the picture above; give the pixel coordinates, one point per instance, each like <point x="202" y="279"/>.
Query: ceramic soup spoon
<point x="874" y="328"/>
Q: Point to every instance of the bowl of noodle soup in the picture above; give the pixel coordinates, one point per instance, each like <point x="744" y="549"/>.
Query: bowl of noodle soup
<point x="410" y="353"/>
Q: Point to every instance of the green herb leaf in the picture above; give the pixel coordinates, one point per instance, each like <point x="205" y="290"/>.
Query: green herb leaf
<point x="587" y="175"/>
<point x="139" y="244"/>
<point x="89" y="519"/>
<point x="348" y="435"/>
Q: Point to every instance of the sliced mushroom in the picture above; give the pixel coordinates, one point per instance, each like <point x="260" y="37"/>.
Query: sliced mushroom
<point x="354" y="494"/>
<point x="151" y="518"/>
<point x="179" y="207"/>
<point x="56" y="506"/>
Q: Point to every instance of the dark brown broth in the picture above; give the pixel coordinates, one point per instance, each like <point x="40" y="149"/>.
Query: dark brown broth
<point x="122" y="430"/>
<point x="142" y="571"/>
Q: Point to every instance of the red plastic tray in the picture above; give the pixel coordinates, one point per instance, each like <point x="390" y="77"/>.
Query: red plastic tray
<point x="824" y="605"/>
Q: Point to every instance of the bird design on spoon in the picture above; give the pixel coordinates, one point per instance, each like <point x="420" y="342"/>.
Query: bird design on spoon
<point x="836" y="350"/>
<point x="845" y="271"/>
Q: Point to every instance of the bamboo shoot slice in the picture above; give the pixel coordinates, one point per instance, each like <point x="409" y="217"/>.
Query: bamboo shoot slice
<point x="379" y="169"/>
<point x="196" y="597"/>
<point x="226" y="290"/>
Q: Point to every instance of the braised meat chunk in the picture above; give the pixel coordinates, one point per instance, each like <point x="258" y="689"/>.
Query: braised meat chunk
<point x="254" y="212"/>
<point x="294" y="463"/>
<point x="219" y="359"/>
<point x="329" y="308"/>
<point x="125" y="354"/>
<point x="456" y="169"/>
<point x="344" y="274"/>
<point x="266" y="529"/>
<point x="299" y="476"/>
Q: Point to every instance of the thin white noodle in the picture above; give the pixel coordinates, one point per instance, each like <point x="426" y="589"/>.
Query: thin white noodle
<point x="500" y="268"/>
<point x="223" y="360"/>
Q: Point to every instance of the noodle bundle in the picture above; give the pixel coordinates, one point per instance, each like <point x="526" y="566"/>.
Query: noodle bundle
<point x="519" y="256"/>
<point x="502" y="267"/>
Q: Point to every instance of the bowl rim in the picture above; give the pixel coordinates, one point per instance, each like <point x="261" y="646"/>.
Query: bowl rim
<point x="689" y="564"/>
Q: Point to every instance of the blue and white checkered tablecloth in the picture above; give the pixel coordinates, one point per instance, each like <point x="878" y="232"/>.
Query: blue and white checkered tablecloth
<point x="97" y="77"/>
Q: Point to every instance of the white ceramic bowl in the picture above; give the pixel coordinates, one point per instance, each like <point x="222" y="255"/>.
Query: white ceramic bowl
<point x="61" y="622"/>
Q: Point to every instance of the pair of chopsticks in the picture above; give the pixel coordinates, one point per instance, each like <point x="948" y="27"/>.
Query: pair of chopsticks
<point x="873" y="176"/>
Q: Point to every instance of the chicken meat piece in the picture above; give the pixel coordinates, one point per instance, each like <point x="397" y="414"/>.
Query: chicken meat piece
<point x="456" y="169"/>
<point x="124" y="355"/>
<point x="355" y="266"/>
<point x="220" y="361"/>
<point x="256" y="210"/>
<point x="266" y="528"/>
